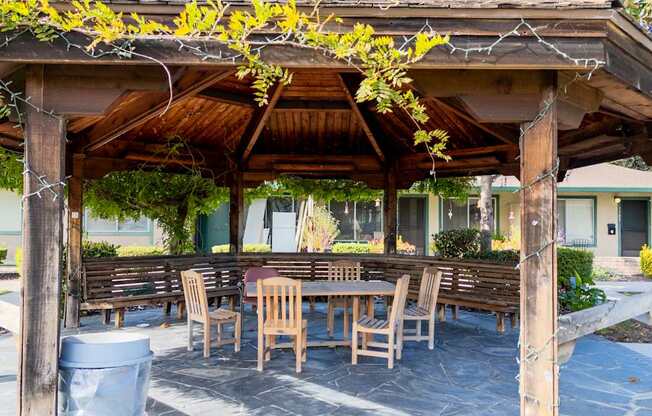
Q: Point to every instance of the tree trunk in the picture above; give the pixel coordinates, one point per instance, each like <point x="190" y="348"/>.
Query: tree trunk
<point x="178" y="236"/>
<point x="486" y="213"/>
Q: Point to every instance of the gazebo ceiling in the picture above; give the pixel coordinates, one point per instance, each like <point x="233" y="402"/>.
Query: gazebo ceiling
<point x="313" y="127"/>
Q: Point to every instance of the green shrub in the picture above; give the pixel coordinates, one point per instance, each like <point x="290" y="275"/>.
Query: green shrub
<point x="93" y="249"/>
<point x="464" y="242"/>
<point x="501" y="256"/>
<point x="136" y="251"/>
<point x="573" y="262"/>
<point x="248" y="248"/>
<point x="355" y="248"/>
<point x="3" y="254"/>
<point x="646" y="261"/>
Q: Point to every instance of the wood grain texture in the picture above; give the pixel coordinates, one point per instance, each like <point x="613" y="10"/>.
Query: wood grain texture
<point x="539" y="369"/>
<point x="42" y="245"/>
<point x="74" y="251"/>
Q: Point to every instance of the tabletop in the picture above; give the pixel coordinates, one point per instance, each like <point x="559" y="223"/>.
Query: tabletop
<point x="339" y="288"/>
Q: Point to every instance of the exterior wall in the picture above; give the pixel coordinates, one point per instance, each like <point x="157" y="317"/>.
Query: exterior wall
<point x="11" y="225"/>
<point x="606" y="213"/>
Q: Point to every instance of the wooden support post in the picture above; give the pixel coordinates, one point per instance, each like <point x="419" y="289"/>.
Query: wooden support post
<point x="390" y="213"/>
<point x="236" y="213"/>
<point x="539" y="369"/>
<point x="42" y="242"/>
<point x="75" y="230"/>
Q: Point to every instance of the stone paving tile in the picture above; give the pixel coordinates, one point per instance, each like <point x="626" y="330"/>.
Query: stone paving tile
<point x="472" y="371"/>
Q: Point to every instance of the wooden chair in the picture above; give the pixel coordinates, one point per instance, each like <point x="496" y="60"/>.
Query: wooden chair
<point x="341" y="270"/>
<point x="194" y="291"/>
<point x="279" y="313"/>
<point x="391" y="328"/>
<point x="425" y="308"/>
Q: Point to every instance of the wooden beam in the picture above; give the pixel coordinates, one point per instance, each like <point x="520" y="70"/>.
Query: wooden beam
<point x="270" y="162"/>
<point x="315" y="168"/>
<point x="539" y="369"/>
<point x="236" y="213"/>
<point x="42" y="237"/>
<point x="186" y="88"/>
<point x="227" y="97"/>
<point x="348" y="88"/>
<point x="74" y="250"/>
<point x="312" y="105"/>
<point x="390" y="211"/>
<point x="257" y="123"/>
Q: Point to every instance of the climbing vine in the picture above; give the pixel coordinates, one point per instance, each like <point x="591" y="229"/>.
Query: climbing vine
<point x="245" y="34"/>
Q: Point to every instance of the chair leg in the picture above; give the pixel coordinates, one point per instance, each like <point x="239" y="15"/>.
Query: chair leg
<point x="190" y="343"/>
<point x="399" y="341"/>
<point x="354" y="344"/>
<point x="330" y="318"/>
<point x="238" y="332"/>
<point x="167" y="307"/>
<point x="261" y="349"/>
<point x="268" y="347"/>
<point x="207" y="339"/>
<point x="181" y="307"/>
<point x="390" y="350"/>
<point x="304" y="353"/>
<point x="346" y="319"/>
<point x="219" y="333"/>
<point x="232" y="303"/>
<point x="313" y="302"/>
<point x="418" y="330"/>
<point x="431" y="333"/>
<point x="456" y="312"/>
<point x="298" y="355"/>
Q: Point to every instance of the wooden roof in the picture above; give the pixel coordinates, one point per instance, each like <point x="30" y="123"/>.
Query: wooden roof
<point x="313" y="128"/>
<point x="444" y="4"/>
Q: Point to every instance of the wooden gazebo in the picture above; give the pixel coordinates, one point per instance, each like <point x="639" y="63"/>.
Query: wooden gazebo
<point x="530" y="88"/>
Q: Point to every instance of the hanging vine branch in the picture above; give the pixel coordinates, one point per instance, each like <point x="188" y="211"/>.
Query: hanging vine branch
<point x="382" y="63"/>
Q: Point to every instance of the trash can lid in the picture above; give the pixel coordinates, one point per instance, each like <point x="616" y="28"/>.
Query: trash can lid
<point x="104" y="350"/>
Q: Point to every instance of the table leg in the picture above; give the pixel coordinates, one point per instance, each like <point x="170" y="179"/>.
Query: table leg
<point x="356" y="309"/>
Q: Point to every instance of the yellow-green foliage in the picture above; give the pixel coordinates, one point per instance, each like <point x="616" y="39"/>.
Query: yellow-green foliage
<point x="18" y="257"/>
<point x="134" y="251"/>
<point x="646" y="261"/>
<point x="383" y="64"/>
<point x="248" y="248"/>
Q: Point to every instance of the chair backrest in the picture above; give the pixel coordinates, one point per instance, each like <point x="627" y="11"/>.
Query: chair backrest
<point x="344" y="270"/>
<point x="400" y="296"/>
<point x="194" y="292"/>
<point x="254" y="273"/>
<point x="279" y="301"/>
<point x="429" y="289"/>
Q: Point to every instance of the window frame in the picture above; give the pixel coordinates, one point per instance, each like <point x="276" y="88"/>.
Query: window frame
<point x="594" y="200"/>
<point x="116" y="228"/>
<point x="495" y="198"/>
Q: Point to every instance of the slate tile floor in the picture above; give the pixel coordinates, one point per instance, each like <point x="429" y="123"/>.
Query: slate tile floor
<point x="472" y="371"/>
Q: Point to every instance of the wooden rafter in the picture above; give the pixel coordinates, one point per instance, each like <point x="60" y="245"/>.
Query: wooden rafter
<point x="102" y="137"/>
<point x="257" y="123"/>
<point x="461" y="114"/>
<point x="358" y="111"/>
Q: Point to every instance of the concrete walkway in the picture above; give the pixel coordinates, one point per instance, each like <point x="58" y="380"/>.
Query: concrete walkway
<point x="616" y="290"/>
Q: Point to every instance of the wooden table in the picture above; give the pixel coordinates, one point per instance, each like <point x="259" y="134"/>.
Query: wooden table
<point x="355" y="289"/>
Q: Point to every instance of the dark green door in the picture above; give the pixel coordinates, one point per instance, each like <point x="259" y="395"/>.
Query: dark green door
<point x="634" y="220"/>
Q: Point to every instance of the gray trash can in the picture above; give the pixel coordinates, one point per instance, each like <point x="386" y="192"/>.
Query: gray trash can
<point x="104" y="374"/>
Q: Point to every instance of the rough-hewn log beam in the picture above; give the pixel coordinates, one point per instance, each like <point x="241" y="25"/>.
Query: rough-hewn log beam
<point x="539" y="369"/>
<point x="349" y="91"/>
<point x="390" y="211"/>
<point x="236" y="213"/>
<point x="257" y="123"/>
<point x="104" y="134"/>
<point x="42" y="237"/>
<point x="74" y="251"/>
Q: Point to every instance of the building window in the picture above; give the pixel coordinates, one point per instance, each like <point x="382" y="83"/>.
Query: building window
<point x="344" y="213"/>
<point x="412" y="223"/>
<point x="576" y="221"/>
<point x="10" y="220"/>
<point x="100" y="225"/>
<point x="459" y="213"/>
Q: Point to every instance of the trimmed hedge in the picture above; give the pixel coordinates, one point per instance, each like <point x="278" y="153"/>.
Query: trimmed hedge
<point x="135" y="251"/>
<point x="572" y="262"/>
<point x="646" y="261"/>
<point x="95" y="249"/>
<point x="355" y="248"/>
<point x="248" y="248"/>
<point x="3" y="254"/>
<point x="463" y="242"/>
